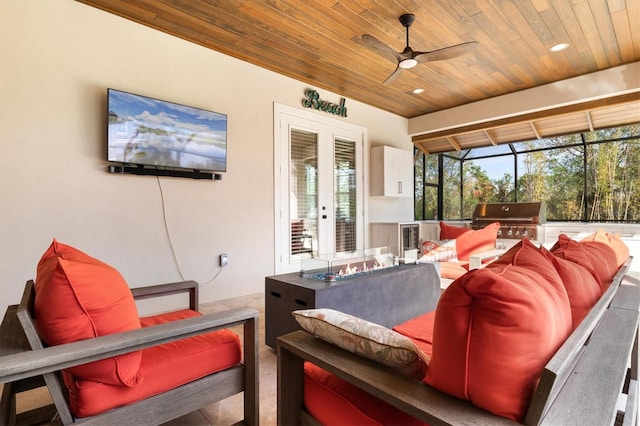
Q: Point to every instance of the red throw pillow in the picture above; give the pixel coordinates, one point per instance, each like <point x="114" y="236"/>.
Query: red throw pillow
<point x="493" y="334"/>
<point x="449" y="232"/>
<point x="596" y="256"/>
<point x="477" y="241"/>
<point x="79" y="297"/>
<point x="582" y="285"/>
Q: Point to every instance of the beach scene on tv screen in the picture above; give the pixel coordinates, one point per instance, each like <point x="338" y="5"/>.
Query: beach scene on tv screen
<point x="149" y="131"/>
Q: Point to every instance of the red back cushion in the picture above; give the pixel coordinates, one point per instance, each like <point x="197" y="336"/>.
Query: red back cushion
<point x="449" y="232"/>
<point x="79" y="297"/>
<point x="524" y="253"/>
<point x="612" y="240"/>
<point x="619" y="247"/>
<point x="477" y="241"/>
<point x="495" y="329"/>
<point x="597" y="256"/>
<point x="582" y="285"/>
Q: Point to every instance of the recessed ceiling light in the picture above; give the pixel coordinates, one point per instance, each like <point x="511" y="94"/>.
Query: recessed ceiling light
<point x="559" y="47"/>
<point x="418" y="91"/>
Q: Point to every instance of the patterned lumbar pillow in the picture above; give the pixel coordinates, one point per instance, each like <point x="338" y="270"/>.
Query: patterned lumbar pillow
<point x="366" y="339"/>
<point x="439" y="251"/>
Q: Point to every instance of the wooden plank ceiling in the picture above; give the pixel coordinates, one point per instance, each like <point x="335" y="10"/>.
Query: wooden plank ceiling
<point x="319" y="42"/>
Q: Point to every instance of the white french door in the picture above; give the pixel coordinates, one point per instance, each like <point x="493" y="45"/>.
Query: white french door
<point x="319" y="205"/>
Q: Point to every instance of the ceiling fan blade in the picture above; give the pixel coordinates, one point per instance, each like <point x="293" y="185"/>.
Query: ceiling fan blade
<point x="380" y="47"/>
<point x="393" y="75"/>
<point x="445" y="53"/>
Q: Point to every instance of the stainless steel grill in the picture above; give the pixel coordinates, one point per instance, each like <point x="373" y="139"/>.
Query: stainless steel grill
<point x="517" y="220"/>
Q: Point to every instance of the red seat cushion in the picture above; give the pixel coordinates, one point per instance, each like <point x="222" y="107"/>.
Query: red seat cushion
<point x="334" y="402"/>
<point x="477" y="241"/>
<point x="164" y="367"/>
<point x="449" y="232"/>
<point x="420" y="330"/>
<point x="495" y="329"/>
<point x="454" y="270"/>
<point x="78" y="297"/>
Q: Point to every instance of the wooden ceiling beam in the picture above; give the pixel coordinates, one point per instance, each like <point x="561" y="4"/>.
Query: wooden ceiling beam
<point x="567" y="109"/>
<point x="491" y="139"/>
<point x="535" y="130"/>
<point x="590" y="121"/>
<point x="454" y="143"/>
<point x="422" y="148"/>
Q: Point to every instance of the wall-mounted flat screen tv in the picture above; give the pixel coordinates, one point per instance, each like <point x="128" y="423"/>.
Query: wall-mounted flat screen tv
<point x="149" y="132"/>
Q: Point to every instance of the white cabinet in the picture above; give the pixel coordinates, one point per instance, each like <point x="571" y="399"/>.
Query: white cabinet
<point x="391" y="172"/>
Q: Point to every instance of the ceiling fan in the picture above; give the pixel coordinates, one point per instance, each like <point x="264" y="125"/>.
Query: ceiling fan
<point x="409" y="58"/>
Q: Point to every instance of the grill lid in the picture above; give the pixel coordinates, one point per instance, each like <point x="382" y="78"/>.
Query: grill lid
<point x="510" y="213"/>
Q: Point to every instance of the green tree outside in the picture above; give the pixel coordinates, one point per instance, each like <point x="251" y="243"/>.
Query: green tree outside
<point x="550" y="170"/>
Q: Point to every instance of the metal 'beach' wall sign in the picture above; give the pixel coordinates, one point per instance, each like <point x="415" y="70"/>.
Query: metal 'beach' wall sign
<point x="312" y="100"/>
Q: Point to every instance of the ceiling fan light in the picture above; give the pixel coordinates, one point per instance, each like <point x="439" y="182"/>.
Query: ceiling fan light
<point x="559" y="47"/>
<point x="408" y="63"/>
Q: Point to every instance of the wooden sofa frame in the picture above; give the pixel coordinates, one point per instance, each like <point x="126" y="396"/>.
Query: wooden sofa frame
<point x="581" y="384"/>
<point x="23" y="365"/>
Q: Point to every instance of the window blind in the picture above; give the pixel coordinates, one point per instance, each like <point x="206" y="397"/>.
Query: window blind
<point x="345" y="195"/>
<point x="303" y="181"/>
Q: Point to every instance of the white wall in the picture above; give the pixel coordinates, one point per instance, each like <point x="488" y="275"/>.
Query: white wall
<point x="57" y="59"/>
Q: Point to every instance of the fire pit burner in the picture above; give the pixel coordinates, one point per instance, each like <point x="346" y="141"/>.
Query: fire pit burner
<point x="340" y="266"/>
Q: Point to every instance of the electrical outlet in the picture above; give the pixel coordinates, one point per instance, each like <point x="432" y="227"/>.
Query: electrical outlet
<point x="224" y="260"/>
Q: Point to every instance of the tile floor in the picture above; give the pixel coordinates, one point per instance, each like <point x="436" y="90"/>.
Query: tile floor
<point x="228" y="411"/>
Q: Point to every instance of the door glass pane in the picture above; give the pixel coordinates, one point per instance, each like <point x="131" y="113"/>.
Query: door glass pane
<point x="345" y="195"/>
<point x="303" y="193"/>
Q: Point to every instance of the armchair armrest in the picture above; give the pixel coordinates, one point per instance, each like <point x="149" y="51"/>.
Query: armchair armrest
<point x="475" y="260"/>
<point x="140" y="293"/>
<point x="407" y="394"/>
<point x="54" y="358"/>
